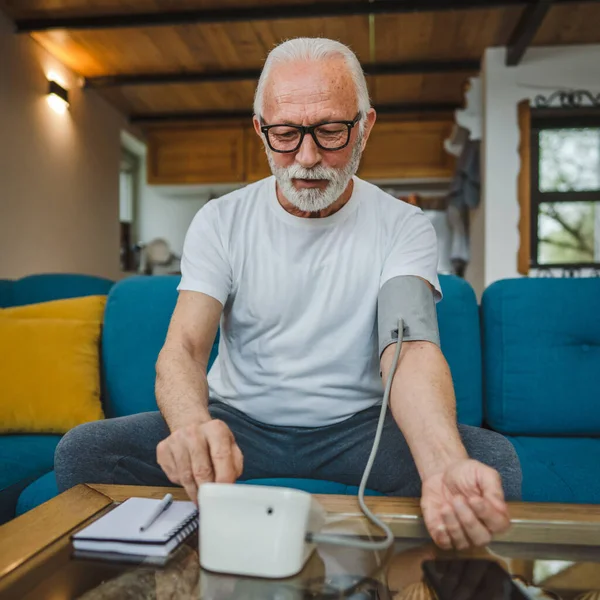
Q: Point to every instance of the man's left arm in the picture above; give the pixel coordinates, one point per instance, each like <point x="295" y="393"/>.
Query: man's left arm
<point x="423" y="405"/>
<point x="462" y="499"/>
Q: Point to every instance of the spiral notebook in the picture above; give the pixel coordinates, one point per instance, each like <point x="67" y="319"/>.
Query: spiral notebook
<point x="118" y="532"/>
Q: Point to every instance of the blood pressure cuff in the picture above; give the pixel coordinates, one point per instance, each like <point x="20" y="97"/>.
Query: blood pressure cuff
<point x="411" y="299"/>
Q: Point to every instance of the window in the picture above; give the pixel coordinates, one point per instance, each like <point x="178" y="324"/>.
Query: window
<point x="565" y="189"/>
<point x="128" y="191"/>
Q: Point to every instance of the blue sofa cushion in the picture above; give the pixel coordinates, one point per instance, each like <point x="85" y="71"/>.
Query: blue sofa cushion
<point x="542" y="356"/>
<point x="24" y="456"/>
<point x="458" y="317"/>
<point x="559" y="469"/>
<point x="137" y="316"/>
<point x="36" y="493"/>
<point x="5" y="292"/>
<point x="46" y="287"/>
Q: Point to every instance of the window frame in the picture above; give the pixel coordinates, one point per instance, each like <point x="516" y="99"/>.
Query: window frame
<point x="543" y="120"/>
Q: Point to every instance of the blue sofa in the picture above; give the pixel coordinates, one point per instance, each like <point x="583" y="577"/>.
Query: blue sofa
<point x="519" y="365"/>
<point x="24" y="458"/>
<point x="541" y="342"/>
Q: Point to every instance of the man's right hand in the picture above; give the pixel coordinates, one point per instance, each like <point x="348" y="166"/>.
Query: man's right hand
<point x="200" y="453"/>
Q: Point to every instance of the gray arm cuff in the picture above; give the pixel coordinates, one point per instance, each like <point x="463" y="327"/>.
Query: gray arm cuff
<point x="407" y="297"/>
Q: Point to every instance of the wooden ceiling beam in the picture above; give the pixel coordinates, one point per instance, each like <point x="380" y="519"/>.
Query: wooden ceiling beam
<point x="221" y="115"/>
<point x="257" y="13"/>
<point x="525" y="31"/>
<point x="402" y="68"/>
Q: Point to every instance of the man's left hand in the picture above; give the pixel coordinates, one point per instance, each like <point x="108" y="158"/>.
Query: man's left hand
<point x="464" y="505"/>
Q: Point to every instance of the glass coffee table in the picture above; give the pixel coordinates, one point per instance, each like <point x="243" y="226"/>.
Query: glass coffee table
<point x="550" y="547"/>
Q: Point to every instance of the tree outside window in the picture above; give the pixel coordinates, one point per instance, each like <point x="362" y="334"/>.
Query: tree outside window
<point x="565" y="196"/>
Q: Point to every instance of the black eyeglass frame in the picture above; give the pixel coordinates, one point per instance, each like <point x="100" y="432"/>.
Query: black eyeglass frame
<point x="311" y="130"/>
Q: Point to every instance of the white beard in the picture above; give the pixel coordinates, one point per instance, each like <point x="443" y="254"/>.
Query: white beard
<point x="315" y="199"/>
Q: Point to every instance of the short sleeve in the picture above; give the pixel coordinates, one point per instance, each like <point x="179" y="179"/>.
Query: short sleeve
<point x="414" y="251"/>
<point x="205" y="266"/>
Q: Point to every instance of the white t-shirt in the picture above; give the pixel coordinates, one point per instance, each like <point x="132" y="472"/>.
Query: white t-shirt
<point x="298" y="342"/>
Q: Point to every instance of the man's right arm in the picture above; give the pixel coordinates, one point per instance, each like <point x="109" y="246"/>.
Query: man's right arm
<point x="181" y="386"/>
<point x="199" y="449"/>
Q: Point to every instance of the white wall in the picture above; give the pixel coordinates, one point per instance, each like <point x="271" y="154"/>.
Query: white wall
<point x="542" y="71"/>
<point x="167" y="211"/>
<point x="167" y="214"/>
<point x="59" y="173"/>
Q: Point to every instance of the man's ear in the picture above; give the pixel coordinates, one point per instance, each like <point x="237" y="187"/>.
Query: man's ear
<point x="370" y="121"/>
<point x="256" y="123"/>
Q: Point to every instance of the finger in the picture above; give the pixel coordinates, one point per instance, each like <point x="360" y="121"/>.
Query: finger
<point x="454" y="528"/>
<point x="184" y="470"/>
<point x="166" y="461"/>
<point x="476" y="532"/>
<point x="238" y="461"/>
<point x="202" y="468"/>
<point x="220" y="441"/>
<point x="498" y="503"/>
<point x="490" y="484"/>
<point x="436" y="527"/>
<point x="442" y="537"/>
<point x="496" y="521"/>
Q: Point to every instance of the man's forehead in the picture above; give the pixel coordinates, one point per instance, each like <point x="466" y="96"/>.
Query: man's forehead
<point x="323" y="89"/>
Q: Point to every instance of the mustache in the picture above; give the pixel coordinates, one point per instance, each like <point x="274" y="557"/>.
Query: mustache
<point x="318" y="172"/>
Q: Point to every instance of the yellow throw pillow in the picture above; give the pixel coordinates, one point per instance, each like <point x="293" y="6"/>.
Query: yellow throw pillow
<point x="88" y="308"/>
<point x="50" y="365"/>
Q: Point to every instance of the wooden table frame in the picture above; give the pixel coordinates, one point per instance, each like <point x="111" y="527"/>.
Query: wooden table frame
<point x="32" y="545"/>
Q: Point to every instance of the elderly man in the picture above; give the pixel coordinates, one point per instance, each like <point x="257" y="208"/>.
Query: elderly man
<point x="293" y="268"/>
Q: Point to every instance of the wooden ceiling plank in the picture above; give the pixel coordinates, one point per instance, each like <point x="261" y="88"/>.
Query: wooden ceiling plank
<point x="197" y="41"/>
<point x="71" y="54"/>
<point x="228" y="96"/>
<point x="184" y="54"/>
<point x="404" y="37"/>
<point x="566" y="24"/>
<point x="197" y="48"/>
<point x="459" y="35"/>
<point x="221" y="44"/>
<point x="246" y="44"/>
<point x="264" y="35"/>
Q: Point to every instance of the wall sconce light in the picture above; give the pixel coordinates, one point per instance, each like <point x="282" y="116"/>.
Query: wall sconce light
<point x="58" y="97"/>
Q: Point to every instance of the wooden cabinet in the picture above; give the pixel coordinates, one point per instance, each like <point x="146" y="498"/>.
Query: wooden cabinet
<point x="255" y="159"/>
<point x="196" y="155"/>
<point x="233" y="153"/>
<point x="407" y="150"/>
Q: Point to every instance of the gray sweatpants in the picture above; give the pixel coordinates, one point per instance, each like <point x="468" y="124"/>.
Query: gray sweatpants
<point x="123" y="451"/>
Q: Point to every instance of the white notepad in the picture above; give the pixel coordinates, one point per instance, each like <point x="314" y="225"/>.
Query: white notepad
<point x="119" y="530"/>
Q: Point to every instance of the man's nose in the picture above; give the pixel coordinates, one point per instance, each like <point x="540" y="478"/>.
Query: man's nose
<point x="308" y="154"/>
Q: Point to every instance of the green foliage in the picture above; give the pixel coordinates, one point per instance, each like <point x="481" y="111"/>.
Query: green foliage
<point x="569" y="161"/>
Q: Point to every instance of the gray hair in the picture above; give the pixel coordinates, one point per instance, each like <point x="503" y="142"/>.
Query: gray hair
<point x="313" y="49"/>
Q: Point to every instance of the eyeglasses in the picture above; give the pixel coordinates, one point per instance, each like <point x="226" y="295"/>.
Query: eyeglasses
<point x="333" y="135"/>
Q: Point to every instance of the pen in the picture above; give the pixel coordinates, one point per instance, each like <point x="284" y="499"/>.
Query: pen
<point x="159" y="510"/>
